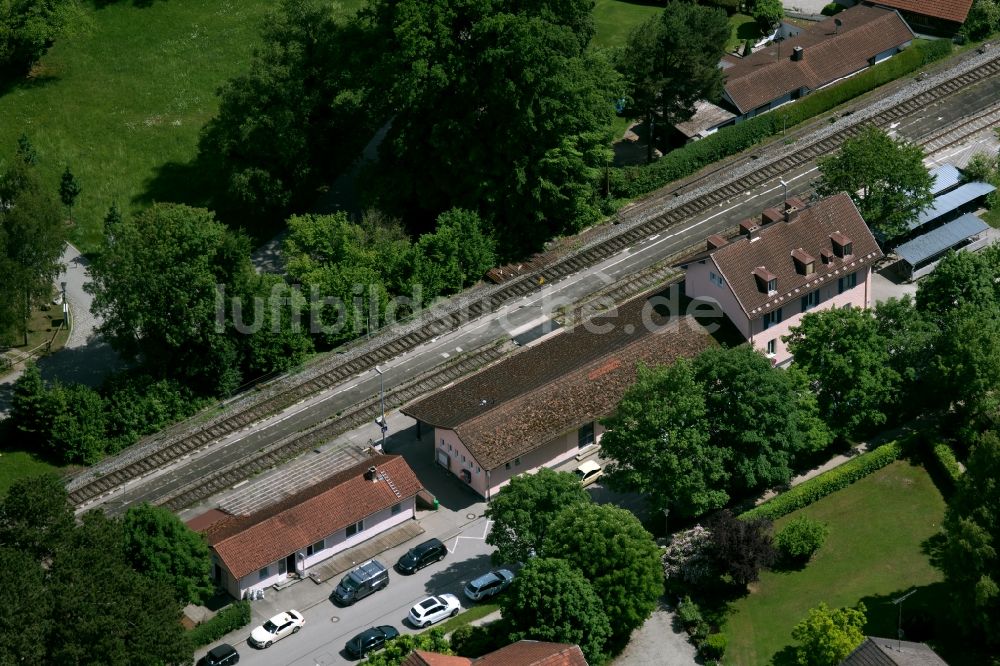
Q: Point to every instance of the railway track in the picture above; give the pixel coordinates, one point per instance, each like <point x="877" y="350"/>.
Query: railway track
<point x="362" y="412"/>
<point x="518" y="288"/>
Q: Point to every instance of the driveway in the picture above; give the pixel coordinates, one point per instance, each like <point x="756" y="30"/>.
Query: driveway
<point x="658" y="642"/>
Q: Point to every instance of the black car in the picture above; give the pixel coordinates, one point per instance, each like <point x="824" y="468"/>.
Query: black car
<point x="370" y="640"/>
<point x="221" y="655"/>
<point x="421" y="555"/>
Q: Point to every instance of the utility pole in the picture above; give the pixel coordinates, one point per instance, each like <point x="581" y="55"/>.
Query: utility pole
<point x="899" y="622"/>
<point x="380" y="421"/>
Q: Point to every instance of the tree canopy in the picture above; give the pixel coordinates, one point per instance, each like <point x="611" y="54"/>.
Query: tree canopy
<point x="968" y="553"/>
<point x="31" y="243"/>
<point x="156" y="284"/>
<point x="166" y="550"/>
<point x="617" y="556"/>
<point x="524" y="509"/>
<point x="962" y="278"/>
<point x="398" y="649"/>
<point x="550" y="600"/>
<point x="886" y="179"/>
<point x="28" y="28"/>
<point x="498" y="107"/>
<point x="827" y="635"/>
<point x="671" y="60"/>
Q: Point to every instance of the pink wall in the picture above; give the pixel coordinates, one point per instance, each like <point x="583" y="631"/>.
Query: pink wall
<point x="487" y="483"/>
<point x="697" y="283"/>
<point x="858" y="297"/>
<point x="334" y="543"/>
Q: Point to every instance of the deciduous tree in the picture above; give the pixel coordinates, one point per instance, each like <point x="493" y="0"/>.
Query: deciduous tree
<point x="800" y="538"/>
<point x="968" y="553"/>
<point x="619" y="558"/>
<point x="827" y="635"/>
<point x="740" y="548"/>
<point x="29" y="27"/>
<point x="659" y="442"/>
<point x="552" y="601"/>
<point x="968" y="366"/>
<point x="166" y="550"/>
<point x="28" y="606"/>
<point x="848" y="361"/>
<point x="455" y="255"/>
<point x="671" y="61"/>
<point x="524" y="509"/>
<point x="768" y="13"/>
<point x="35" y="517"/>
<point x="157" y="285"/>
<point x="398" y="649"/>
<point x="962" y="278"/>
<point x="886" y="179"/>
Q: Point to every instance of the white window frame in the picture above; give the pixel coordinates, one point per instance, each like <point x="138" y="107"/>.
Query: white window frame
<point x="772" y="347"/>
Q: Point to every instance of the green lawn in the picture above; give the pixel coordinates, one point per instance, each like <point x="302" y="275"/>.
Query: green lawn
<point x="16" y="465"/>
<point x="128" y="96"/>
<point x="744" y="28"/>
<point x="873" y="554"/>
<point x="616" y="18"/>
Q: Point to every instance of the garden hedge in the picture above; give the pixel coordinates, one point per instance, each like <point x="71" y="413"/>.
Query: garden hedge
<point x="945" y="459"/>
<point x="635" y="181"/>
<point x="228" y="619"/>
<point x="820" y="486"/>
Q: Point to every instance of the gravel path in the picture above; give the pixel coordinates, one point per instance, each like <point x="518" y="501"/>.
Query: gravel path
<point x="658" y="642"/>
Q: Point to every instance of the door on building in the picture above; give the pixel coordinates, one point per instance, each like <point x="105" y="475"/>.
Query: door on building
<point x="289" y="563"/>
<point x="443" y="459"/>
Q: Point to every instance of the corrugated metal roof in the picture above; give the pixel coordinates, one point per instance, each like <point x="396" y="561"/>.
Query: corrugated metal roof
<point x="951" y="201"/>
<point x="938" y="240"/>
<point x="946" y="177"/>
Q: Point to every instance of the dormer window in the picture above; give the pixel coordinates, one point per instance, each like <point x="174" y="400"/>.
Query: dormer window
<point x="805" y="264"/>
<point x="826" y="256"/>
<point x="842" y="245"/>
<point x="767" y="282"/>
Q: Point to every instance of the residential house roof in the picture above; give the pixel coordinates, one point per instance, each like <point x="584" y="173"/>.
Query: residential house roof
<point x="707" y="117"/>
<point x="949" y="10"/>
<point x="934" y="242"/>
<point x="812" y="232"/>
<point x="248" y="543"/>
<point x="570" y="379"/>
<point x="521" y="653"/>
<point x="891" y="652"/>
<point x="829" y="52"/>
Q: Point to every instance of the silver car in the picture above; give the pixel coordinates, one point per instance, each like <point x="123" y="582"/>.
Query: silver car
<point x="489" y="584"/>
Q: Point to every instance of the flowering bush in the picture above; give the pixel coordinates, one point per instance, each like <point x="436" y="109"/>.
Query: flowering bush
<point x="686" y="557"/>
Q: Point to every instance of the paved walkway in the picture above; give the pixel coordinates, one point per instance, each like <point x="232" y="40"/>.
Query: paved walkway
<point x="85" y="358"/>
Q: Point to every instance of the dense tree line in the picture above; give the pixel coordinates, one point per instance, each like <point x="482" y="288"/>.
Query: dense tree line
<point x="104" y="591"/>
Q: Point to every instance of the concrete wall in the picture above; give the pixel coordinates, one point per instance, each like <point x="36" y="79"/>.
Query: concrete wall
<point x="334" y="543"/>
<point x="858" y="297"/>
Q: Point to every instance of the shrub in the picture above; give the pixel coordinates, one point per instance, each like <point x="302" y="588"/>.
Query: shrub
<point x="826" y="483"/>
<point x="228" y="619"/>
<point x="945" y="459"/>
<point x="714" y="646"/>
<point x="800" y="538"/>
<point x="635" y="181"/>
<point x="686" y="558"/>
<point x="688" y="613"/>
<point x="475" y="641"/>
<point x="831" y="9"/>
<point x="730" y="6"/>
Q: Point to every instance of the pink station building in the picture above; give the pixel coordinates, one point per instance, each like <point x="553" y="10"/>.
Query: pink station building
<point x="795" y="259"/>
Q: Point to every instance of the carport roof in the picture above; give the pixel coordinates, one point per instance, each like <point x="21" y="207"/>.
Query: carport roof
<point x="951" y="201"/>
<point x="934" y="242"/>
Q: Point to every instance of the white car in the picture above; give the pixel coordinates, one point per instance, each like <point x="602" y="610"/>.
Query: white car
<point x="434" y="609"/>
<point x="279" y="626"/>
<point x="589" y="472"/>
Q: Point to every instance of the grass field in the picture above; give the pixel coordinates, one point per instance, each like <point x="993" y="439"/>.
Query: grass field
<point x="873" y="554"/>
<point x="16" y="465"/>
<point x="129" y="95"/>
<point x="616" y="18"/>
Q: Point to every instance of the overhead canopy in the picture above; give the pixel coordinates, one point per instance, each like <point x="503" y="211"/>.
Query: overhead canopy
<point x="929" y="245"/>
<point x="946" y="177"/>
<point x="951" y="201"/>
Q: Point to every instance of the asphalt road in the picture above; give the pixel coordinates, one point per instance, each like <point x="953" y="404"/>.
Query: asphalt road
<point x="328" y="627"/>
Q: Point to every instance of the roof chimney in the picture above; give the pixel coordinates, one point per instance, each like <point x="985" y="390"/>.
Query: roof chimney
<point x="715" y="241"/>
<point x="750" y="229"/>
<point x="769" y="216"/>
<point x="371" y="474"/>
<point x="797" y="53"/>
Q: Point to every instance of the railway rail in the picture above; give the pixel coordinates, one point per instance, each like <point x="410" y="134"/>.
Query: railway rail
<point x="520" y="287"/>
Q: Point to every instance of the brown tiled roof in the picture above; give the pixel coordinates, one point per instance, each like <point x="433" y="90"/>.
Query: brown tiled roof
<point x="203" y="521"/>
<point x="534" y="653"/>
<point x="810" y="231"/>
<point x="829" y="53"/>
<point x="949" y="10"/>
<point x="424" y="658"/>
<point x="248" y="543"/>
<point x="890" y="652"/>
<point x="573" y="378"/>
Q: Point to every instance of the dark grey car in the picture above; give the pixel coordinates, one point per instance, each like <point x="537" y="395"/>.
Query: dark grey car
<point x="370" y="640"/>
<point x="421" y="555"/>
